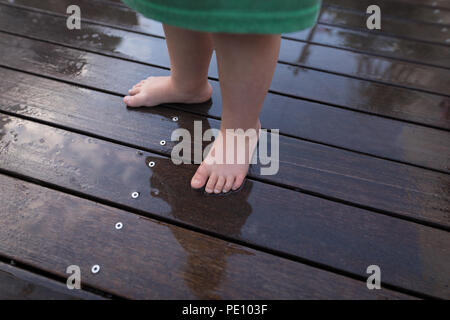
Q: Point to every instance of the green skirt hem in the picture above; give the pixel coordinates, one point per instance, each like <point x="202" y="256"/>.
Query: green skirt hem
<point x="228" y="21"/>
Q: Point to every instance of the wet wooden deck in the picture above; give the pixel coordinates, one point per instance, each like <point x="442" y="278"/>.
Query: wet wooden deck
<point x="364" y="118"/>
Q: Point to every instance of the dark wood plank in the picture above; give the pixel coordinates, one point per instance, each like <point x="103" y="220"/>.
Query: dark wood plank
<point x="391" y="27"/>
<point x="434" y="80"/>
<point x="301" y="162"/>
<point x="428" y="3"/>
<point x="372" y="183"/>
<point x="152" y="260"/>
<point x="365" y="67"/>
<point x="412" y="256"/>
<point x="372" y="135"/>
<point x="397" y="9"/>
<point x="375" y="44"/>
<point x="324" y="87"/>
<point x="18" y="284"/>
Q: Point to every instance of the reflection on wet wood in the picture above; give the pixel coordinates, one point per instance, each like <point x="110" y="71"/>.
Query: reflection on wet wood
<point x="364" y="133"/>
<point x="356" y="94"/>
<point x="258" y="214"/>
<point x="323" y="35"/>
<point x="372" y="183"/>
<point x="293" y="52"/>
<point x="428" y="3"/>
<point x="148" y="259"/>
<point x="390" y="27"/>
<point x="359" y="41"/>
<point x="17" y="284"/>
<point x="98" y="154"/>
<point x="399" y="9"/>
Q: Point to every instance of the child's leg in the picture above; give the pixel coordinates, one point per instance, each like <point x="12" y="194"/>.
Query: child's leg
<point x="190" y="54"/>
<point x="246" y="65"/>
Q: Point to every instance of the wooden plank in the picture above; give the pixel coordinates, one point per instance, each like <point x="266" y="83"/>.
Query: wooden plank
<point x="347" y="92"/>
<point x="147" y="259"/>
<point x="18" y="284"/>
<point x="363" y="66"/>
<point x="428" y="3"/>
<point x="433" y="33"/>
<point x="374" y="183"/>
<point x="412" y="256"/>
<point x="353" y="40"/>
<point x="397" y="9"/>
<point x="343" y="128"/>
<point x="380" y="45"/>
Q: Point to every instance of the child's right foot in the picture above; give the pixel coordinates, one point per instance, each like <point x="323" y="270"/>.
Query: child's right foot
<point x="154" y="91"/>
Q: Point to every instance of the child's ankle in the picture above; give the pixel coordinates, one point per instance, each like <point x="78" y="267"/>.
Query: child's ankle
<point x="190" y="89"/>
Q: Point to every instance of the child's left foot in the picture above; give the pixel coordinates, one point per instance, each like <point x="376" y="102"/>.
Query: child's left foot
<point x="223" y="176"/>
<point x="154" y="91"/>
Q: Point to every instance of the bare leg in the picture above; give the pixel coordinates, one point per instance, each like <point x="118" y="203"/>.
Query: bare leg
<point x="190" y="54"/>
<point x="246" y="65"/>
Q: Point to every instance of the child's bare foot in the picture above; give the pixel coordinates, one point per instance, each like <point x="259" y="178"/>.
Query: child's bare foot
<point x="225" y="176"/>
<point x="157" y="90"/>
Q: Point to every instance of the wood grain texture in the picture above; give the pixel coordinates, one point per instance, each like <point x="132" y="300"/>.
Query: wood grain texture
<point x="365" y="66"/>
<point x="390" y="26"/>
<point x="356" y="94"/>
<point x="147" y="259"/>
<point x="123" y="17"/>
<point x="427" y="3"/>
<point x="400" y="10"/>
<point x="337" y="127"/>
<point x="18" y="284"/>
<point x="397" y="188"/>
<point x="380" y="45"/>
<point x="412" y="256"/>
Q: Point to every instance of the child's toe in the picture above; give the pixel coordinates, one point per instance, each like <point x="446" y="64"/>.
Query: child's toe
<point x="134" y="91"/>
<point x="219" y="184"/>
<point x="238" y="182"/>
<point x="134" y="101"/>
<point x="211" y="183"/>
<point x="228" y="184"/>
<point x="199" y="178"/>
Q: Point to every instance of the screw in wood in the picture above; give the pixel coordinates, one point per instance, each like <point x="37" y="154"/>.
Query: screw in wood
<point x="95" y="268"/>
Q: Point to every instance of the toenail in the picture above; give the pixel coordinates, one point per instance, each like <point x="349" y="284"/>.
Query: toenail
<point x="224" y="190"/>
<point x="216" y="191"/>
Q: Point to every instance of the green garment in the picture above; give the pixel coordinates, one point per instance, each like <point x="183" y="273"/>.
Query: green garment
<point x="231" y="16"/>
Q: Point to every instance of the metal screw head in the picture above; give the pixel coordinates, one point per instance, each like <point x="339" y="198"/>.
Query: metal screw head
<point x="119" y="225"/>
<point x="162" y="142"/>
<point x="151" y="164"/>
<point x="135" y="194"/>
<point x="95" y="268"/>
<point x="174" y="119"/>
